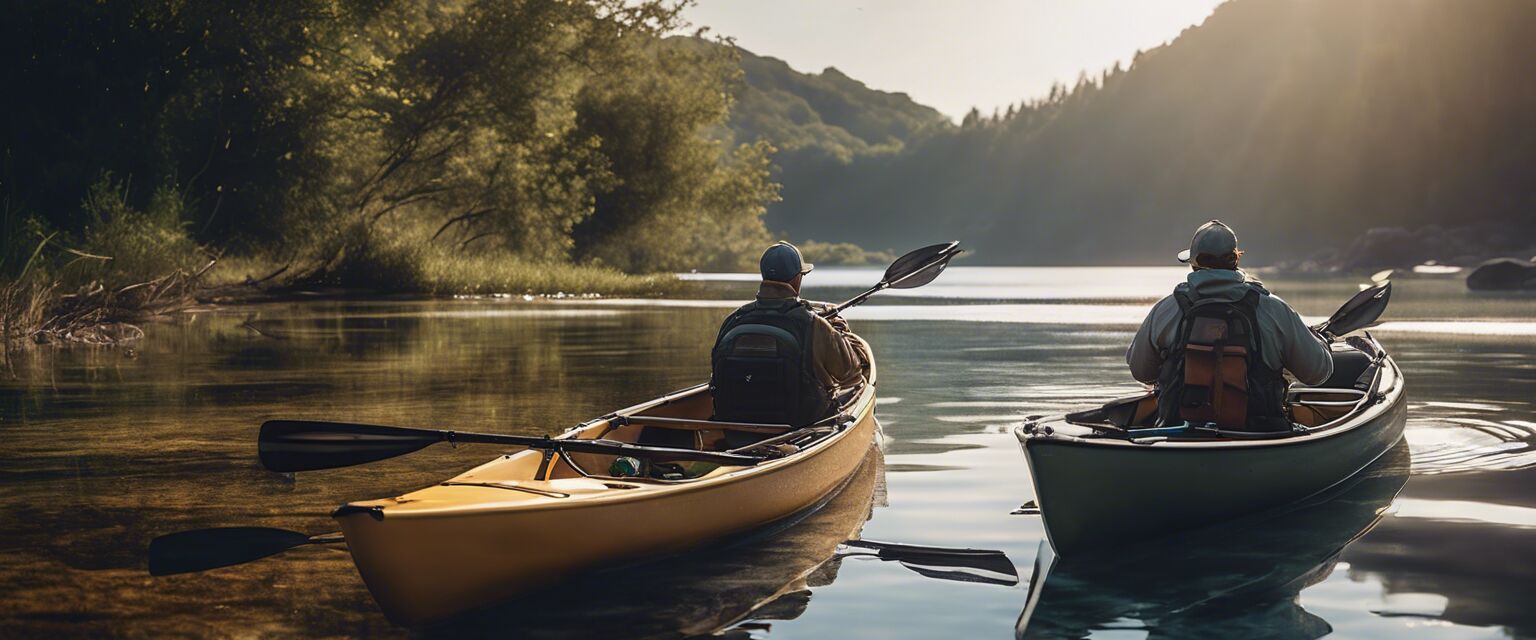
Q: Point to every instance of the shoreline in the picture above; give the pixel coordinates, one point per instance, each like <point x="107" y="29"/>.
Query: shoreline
<point x="36" y="316"/>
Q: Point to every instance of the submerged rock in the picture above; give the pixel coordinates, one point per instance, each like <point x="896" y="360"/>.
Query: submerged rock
<point x="1503" y="274"/>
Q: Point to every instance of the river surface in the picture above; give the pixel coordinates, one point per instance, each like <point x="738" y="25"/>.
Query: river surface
<point x="103" y="450"/>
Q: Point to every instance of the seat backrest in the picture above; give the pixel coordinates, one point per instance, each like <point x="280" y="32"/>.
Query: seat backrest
<point x="760" y="368"/>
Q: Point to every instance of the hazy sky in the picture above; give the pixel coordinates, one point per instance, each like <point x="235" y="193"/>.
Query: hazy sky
<point x="953" y="54"/>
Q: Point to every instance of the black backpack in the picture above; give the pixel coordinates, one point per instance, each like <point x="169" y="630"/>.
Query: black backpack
<point x="761" y="366"/>
<point x="1215" y="372"/>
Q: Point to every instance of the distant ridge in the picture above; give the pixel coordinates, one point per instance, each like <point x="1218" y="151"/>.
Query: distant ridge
<point x="1302" y="122"/>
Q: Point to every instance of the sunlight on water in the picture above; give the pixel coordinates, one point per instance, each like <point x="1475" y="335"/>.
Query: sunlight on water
<point x="1467" y="328"/>
<point x="1496" y="514"/>
<point x="1002" y="283"/>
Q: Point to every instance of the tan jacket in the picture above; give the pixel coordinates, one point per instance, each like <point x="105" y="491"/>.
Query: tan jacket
<point x="839" y="360"/>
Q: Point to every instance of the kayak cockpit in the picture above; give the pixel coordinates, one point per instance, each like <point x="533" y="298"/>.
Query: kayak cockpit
<point x="666" y="429"/>
<point x="1362" y="373"/>
<point x="534" y="479"/>
<point x="686" y="423"/>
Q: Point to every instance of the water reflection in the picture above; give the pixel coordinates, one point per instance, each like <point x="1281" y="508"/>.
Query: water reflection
<point x="1476" y="574"/>
<point x="1475" y="562"/>
<point x="1234" y="580"/>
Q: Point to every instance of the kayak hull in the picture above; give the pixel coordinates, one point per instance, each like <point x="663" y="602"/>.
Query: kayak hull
<point x="497" y="531"/>
<point x="735" y="576"/>
<point x="1095" y="492"/>
<point x="1240" y="574"/>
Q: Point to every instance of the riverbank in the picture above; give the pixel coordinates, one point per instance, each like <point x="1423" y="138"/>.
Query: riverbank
<point x="37" y="310"/>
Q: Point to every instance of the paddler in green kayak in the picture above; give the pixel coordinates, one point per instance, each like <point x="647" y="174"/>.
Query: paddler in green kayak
<point x="1217" y="346"/>
<point x="776" y="359"/>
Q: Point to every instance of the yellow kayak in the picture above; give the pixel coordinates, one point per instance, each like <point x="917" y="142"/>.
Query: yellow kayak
<point x="530" y="518"/>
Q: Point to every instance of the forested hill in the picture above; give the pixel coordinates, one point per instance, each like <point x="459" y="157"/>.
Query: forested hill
<point x="1301" y="122"/>
<point x="827" y="113"/>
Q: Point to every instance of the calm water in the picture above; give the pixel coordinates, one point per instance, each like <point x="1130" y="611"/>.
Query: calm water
<point x="101" y="451"/>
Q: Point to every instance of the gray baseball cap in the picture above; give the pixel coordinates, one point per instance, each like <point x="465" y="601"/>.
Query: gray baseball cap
<point x="1214" y="237"/>
<point x="782" y="262"/>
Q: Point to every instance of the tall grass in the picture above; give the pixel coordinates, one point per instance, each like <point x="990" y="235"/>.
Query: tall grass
<point x="24" y="298"/>
<point x="507" y="274"/>
<point x="128" y="263"/>
<point x="403" y="257"/>
<point x="91" y="284"/>
<point x="24" y="305"/>
<point x="121" y="245"/>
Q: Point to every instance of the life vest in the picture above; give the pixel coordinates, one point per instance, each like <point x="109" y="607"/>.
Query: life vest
<point x="1215" y="371"/>
<point x="761" y="366"/>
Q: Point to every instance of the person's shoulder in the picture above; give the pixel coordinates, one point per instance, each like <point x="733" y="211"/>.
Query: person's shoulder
<point x="1277" y="308"/>
<point x="1271" y="299"/>
<point x="1164" y="313"/>
<point x="1170" y="300"/>
<point x="821" y="322"/>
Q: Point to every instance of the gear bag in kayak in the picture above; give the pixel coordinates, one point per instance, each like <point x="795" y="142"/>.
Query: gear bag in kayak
<point x="1215" y="372"/>
<point x="761" y="366"/>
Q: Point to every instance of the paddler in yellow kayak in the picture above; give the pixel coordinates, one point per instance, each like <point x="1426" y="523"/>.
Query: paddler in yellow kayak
<point x="776" y="359"/>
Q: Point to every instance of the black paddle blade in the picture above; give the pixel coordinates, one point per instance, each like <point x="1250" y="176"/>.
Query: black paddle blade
<point x="204" y="549"/>
<point x="920" y="266"/>
<point x="1361" y="311"/>
<point x="302" y="445"/>
<point x="965" y="565"/>
<point x="961" y="574"/>
<point x="926" y="275"/>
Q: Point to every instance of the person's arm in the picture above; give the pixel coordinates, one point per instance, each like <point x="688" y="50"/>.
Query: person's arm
<point x="1144" y="356"/>
<point x="1302" y="352"/>
<point x="839" y="356"/>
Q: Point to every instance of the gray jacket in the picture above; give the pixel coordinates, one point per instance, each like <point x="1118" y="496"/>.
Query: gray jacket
<point x="1286" y="342"/>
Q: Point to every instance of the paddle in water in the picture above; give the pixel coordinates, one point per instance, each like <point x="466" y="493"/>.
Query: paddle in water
<point x="204" y="549"/>
<point x="986" y="566"/>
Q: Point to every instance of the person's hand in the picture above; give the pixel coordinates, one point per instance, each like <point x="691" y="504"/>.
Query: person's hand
<point x="838" y="322"/>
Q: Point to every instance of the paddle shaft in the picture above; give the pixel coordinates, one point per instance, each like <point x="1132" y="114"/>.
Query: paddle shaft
<point x="307" y="445"/>
<point x="607" y="447"/>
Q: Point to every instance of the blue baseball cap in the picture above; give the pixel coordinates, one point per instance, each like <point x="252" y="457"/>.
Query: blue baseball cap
<point x="782" y="262"/>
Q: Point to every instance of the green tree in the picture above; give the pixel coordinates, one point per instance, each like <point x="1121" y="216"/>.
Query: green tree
<point x="323" y="130"/>
<point x="679" y="200"/>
